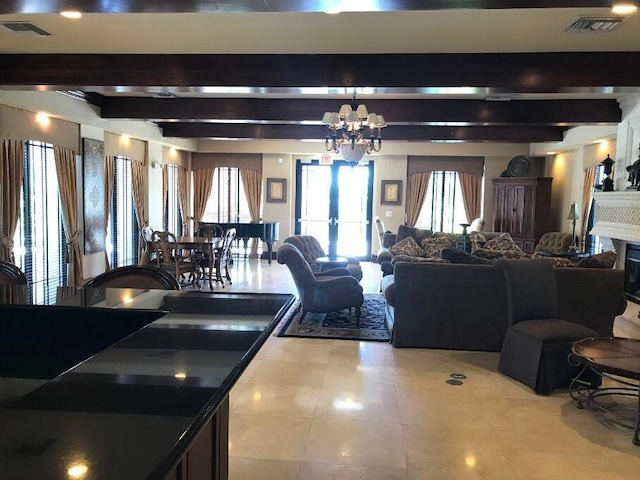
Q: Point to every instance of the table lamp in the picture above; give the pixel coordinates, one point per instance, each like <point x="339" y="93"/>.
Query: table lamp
<point x="573" y="215"/>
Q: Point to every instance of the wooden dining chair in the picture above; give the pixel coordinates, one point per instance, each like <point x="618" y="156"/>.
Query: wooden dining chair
<point x="171" y="259"/>
<point x="135" y="276"/>
<point x="223" y="257"/>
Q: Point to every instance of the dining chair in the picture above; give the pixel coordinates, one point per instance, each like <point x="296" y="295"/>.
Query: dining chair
<point x="10" y="274"/>
<point x="135" y="276"/>
<point x="170" y="258"/>
<point x="223" y="257"/>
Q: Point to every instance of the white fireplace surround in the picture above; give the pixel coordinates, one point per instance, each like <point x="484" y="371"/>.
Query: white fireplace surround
<point x="617" y="216"/>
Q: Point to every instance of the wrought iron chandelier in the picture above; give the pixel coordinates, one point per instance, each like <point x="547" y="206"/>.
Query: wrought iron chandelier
<point x="347" y="131"/>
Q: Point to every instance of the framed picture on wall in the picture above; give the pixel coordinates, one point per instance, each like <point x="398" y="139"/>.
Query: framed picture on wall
<point x="94" y="200"/>
<point x="391" y="193"/>
<point x="277" y="190"/>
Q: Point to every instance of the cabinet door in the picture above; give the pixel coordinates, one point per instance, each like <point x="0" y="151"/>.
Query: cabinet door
<point x="529" y="212"/>
<point x="499" y="210"/>
<point x="518" y="209"/>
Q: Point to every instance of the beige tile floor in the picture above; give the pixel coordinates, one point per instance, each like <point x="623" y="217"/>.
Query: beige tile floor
<point x="311" y="409"/>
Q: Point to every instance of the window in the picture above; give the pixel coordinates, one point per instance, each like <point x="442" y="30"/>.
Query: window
<point x="122" y="231"/>
<point x="228" y="202"/>
<point x="40" y="243"/>
<point x="172" y="221"/>
<point x="443" y="207"/>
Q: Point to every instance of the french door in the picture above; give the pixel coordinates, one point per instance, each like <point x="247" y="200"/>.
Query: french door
<point x="334" y="204"/>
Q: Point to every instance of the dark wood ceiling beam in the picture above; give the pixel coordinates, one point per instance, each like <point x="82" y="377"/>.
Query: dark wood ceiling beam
<point x="512" y="72"/>
<point x="480" y="112"/>
<point x="176" y="6"/>
<point x="511" y="134"/>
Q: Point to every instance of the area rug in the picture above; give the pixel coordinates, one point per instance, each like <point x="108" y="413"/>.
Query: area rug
<point x="339" y="325"/>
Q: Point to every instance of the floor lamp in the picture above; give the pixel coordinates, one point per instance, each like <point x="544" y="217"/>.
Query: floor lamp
<point x="573" y="215"/>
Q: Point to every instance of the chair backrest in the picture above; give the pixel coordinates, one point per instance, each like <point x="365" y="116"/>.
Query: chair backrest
<point x="477" y="225"/>
<point x="532" y="292"/>
<point x="164" y="252"/>
<point x="10" y="274"/>
<point x="557" y="242"/>
<point x="289" y="255"/>
<point x="380" y="229"/>
<point x="210" y="230"/>
<point x="227" y="242"/>
<point x="308" y="245"/>
<point x="135" y="276"/>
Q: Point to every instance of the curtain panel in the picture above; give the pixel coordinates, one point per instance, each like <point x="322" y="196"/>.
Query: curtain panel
<point x="252" y="184"/>
<point x="471" y="185"/>
<point x="11" y="177"/>
<point x="68" y="189"/>
<point x="202" y="185"/>
<point x="109" y="178"/>
<point x="587" y="200"/>
<point x="140" y="199"/>
<point x="417" y="185"/>
<point x="183" y="198"/>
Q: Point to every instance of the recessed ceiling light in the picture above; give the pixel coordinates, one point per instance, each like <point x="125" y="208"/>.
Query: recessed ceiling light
<point x="624" y="8"/>
<point x="71" y="14"/>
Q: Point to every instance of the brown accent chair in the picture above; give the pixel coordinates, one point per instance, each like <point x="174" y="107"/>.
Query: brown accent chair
<point x="537" y="343"/>
<point x="310" y="248"/>
<point x="135" y="276"/>
<point x="556" y="242"/>
<point x="329" y="291"/>
<point x="10" y="274"/>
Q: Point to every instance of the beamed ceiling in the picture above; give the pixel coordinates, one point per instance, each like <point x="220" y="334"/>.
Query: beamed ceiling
<point x="475" y="71"/>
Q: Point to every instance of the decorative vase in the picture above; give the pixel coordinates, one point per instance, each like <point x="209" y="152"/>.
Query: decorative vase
<point x="463" y="242"/>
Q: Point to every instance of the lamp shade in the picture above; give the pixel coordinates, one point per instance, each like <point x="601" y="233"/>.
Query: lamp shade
<point x="573" y="212"/>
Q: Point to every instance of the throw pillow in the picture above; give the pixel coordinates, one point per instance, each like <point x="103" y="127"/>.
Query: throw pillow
<point x="478" y="240"/>
<point x="418" y="234"/>
<point x="432" y="246"/>
<point x="599" y="260"/>
<point x="407" y="246"/>
<point x="461" y="257"/>
<point x="502" y="242"/>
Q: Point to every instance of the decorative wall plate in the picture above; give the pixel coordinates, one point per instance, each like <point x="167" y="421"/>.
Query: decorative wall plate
<point x="519" y="166"/>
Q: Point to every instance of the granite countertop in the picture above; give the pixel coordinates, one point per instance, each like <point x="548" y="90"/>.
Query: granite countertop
<point x="130" y="410"/>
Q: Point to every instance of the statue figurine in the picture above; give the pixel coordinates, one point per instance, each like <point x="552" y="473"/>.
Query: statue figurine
<point x="634" y="174"/>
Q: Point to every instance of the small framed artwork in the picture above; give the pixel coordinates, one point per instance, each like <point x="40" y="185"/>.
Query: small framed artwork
<point x="391" y="192"/>
<point x="277" y="190"/>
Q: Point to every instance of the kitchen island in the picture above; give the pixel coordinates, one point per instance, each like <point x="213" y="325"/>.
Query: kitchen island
<point x="123" y="383"/>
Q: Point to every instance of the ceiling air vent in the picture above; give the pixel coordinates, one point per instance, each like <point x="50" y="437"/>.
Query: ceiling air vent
<point x="594" y="24"/>
<point x="25" y="28"/>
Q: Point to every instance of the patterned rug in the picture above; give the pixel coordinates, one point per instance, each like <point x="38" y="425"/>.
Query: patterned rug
<point x="339" y="325"/>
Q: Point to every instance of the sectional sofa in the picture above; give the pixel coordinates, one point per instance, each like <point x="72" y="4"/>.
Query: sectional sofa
<point x="463" y="307"/>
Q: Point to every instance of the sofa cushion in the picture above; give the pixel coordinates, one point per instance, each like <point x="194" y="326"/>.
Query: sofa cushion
<point x="495" y="254"/>
<point x="432" y="246"/>
<point x="411" y="259"/>
<point x="462" y="257"/>
<point x="418" y="234"/>
<point x="407" y="246"/>
<point x="599" y="260"/>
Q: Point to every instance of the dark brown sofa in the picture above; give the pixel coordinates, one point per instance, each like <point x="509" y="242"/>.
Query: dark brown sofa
<point x="464" y="307"/>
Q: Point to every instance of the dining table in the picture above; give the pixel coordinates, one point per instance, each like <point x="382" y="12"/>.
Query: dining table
<point x="206" y="245"/>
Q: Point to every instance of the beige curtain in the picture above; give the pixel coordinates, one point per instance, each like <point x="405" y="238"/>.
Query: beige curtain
<point x="202" y="185"/>
<point x="471" y="185"/>
<point x="109" y="177"/>
<point x="11" y="175"/>
<point x="252" y="183"/>
<point x="417" y="185"/>
<point x="165" y="189"/>
<point x="140" y="199"/>
<point x="68" y="189"/>
<point x="587" y="197"/>
<point x="183" y="198"/>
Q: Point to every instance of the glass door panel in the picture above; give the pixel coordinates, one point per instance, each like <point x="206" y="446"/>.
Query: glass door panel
<point x="333" y="203"/>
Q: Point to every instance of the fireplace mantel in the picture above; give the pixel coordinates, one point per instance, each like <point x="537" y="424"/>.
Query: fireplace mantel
<point x="617" y="215"/>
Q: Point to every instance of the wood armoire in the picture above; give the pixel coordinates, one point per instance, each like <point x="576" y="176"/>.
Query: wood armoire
<point x="521" y="207"/>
